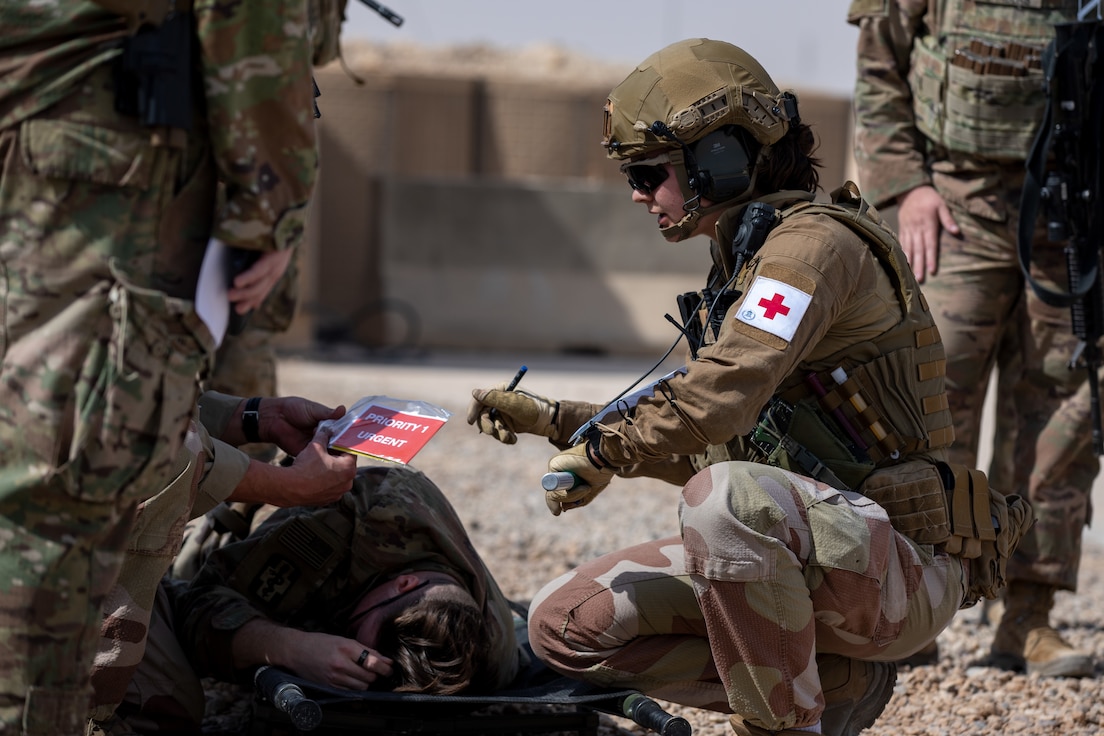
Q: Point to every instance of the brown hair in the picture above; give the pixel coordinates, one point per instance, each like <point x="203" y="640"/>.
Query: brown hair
<point x="789" y="163"/>
<point x="438" y="645"/>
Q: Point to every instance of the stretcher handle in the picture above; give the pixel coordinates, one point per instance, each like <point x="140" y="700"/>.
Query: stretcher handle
<point x="647" y="713"/>
<point x="305" y="714"/>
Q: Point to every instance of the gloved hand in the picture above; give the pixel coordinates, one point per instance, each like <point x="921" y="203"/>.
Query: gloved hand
<point x="514" y="412"/>
<point x="593" y="479"/>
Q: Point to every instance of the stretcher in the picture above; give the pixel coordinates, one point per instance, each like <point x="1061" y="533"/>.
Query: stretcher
<point x="538" y="701"/>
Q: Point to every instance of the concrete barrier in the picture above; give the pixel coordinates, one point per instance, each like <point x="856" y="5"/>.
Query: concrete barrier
<point x="482" y="214"/>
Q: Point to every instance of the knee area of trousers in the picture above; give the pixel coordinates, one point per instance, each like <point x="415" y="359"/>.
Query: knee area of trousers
<point x="734" y="498"/>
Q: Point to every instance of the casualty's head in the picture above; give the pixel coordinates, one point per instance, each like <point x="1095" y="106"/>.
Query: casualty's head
<point x="706" y="113"/>
<point x="429" y="625"/>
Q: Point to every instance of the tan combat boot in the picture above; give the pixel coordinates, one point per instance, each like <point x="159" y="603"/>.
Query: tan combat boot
<point x="855" y="694"/>
<point x="926" y="656"/>
<point x="743" y="728"/>
<point x="1025" y="639"/>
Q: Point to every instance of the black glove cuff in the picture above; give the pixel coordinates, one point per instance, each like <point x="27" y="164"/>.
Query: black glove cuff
<point x="593" y="449"/>
<point x="251" y="420"/>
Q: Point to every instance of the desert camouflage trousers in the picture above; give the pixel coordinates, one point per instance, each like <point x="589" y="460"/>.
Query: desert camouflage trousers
<point x="98" y="381"/>
<point x="165" y="695"/>
<point x="982" y="306"/>
<point x="771" y="568"/>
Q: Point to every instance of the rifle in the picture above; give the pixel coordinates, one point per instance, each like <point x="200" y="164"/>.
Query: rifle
<point x="1065" y="174"/>
<point x="388" y="14"/>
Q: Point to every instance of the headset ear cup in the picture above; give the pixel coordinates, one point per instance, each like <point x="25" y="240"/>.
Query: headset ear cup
<point x="723" y="164"/>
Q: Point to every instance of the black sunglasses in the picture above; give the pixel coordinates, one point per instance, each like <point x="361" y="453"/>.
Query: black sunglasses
<point x="354" y="620"/>
<point x="645" y="175"/>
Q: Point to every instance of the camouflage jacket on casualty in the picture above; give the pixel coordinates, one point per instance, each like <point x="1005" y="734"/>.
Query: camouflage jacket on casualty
<point x="947" y="80"/>
<point x="394" y="519"/>
<point x="253" y="98"/>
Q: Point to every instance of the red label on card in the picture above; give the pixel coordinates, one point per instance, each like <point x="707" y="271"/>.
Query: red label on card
<point x="387" y="434"/>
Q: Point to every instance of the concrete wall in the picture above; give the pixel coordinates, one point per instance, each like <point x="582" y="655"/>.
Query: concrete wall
<point x="474" y="213"/>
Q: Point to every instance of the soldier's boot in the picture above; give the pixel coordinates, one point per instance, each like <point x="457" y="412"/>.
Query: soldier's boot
<point x="928" y="655"/>
<point x="855" y="694"/>
<point x="1025" y="640"/>
<point x="742" y="728"/>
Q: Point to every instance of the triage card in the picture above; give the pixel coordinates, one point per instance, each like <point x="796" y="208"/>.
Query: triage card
<point x="387" y="429"/>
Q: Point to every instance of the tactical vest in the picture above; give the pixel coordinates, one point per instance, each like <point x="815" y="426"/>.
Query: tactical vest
<point x="881" y="425"/>
<point x="976" y="77"/>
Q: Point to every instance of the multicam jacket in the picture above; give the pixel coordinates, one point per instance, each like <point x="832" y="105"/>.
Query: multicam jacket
<point x="252" y="101"/>
<point x="946" y="78"/>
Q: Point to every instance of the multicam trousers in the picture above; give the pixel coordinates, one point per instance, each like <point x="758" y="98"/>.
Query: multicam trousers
<point x="978" y="295"/>
<point x="770" y="569"/>
<point x="98" y="381"/>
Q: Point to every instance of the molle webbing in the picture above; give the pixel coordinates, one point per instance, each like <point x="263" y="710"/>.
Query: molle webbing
<point x="976" y="78"/>
<point x="866" y="427"/>
<point x="913" y="351"/>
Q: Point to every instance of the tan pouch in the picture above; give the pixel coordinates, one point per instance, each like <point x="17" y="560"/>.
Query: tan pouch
<point x="986" y="527"/>
<point x="912" y="495"/>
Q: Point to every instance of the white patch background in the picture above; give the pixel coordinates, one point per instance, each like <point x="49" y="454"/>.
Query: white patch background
<point x="766" y="305"/>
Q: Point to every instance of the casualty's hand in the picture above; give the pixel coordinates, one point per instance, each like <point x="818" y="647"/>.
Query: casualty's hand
<point x="291" y="422"/>
<point x="514" y="412"/>
<point x="252" y="286"/>
<point x="333" y="660"/>
<point x="921" y="215"/>
<point x="316" y="477"/>
<point x="593" y="479"/>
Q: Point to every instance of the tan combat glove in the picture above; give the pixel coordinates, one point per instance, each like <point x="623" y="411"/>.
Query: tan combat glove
<point x="504" y="414"/>
<point x="592" y="479"/>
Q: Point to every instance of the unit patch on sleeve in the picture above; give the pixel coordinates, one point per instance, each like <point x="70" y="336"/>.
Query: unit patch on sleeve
<point x="774" y="306"/>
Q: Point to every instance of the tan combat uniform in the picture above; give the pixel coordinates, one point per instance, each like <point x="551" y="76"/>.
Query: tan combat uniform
<point x="774" y="568"/>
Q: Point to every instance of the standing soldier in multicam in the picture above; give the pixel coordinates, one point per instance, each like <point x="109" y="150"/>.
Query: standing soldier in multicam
<point x="822" y="534"/>
<point x="245" y="363"/>
<point x="107" y="207"/>
<point x="947" y="103"/>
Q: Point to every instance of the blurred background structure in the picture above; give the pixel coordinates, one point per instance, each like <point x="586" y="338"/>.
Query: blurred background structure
<point x="464" y="201"/>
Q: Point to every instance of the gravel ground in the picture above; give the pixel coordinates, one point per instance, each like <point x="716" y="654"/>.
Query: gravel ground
<point x="496" y="490"/>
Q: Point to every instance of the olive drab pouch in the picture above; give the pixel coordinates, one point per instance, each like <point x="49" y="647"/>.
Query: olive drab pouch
<point x="800" y="438"/>
<point x="986" y="527"/>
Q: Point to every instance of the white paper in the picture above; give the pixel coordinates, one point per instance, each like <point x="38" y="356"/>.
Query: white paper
<point x="212" y="300"/>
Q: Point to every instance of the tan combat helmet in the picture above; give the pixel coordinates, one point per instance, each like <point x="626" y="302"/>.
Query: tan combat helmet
<point x="681" y="95"/>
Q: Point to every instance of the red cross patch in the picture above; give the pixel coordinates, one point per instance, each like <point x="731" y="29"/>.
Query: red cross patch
<point x="774" y="306"/>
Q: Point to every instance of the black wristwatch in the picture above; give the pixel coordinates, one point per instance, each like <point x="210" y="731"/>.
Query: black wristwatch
<point x="251" y="420"/>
